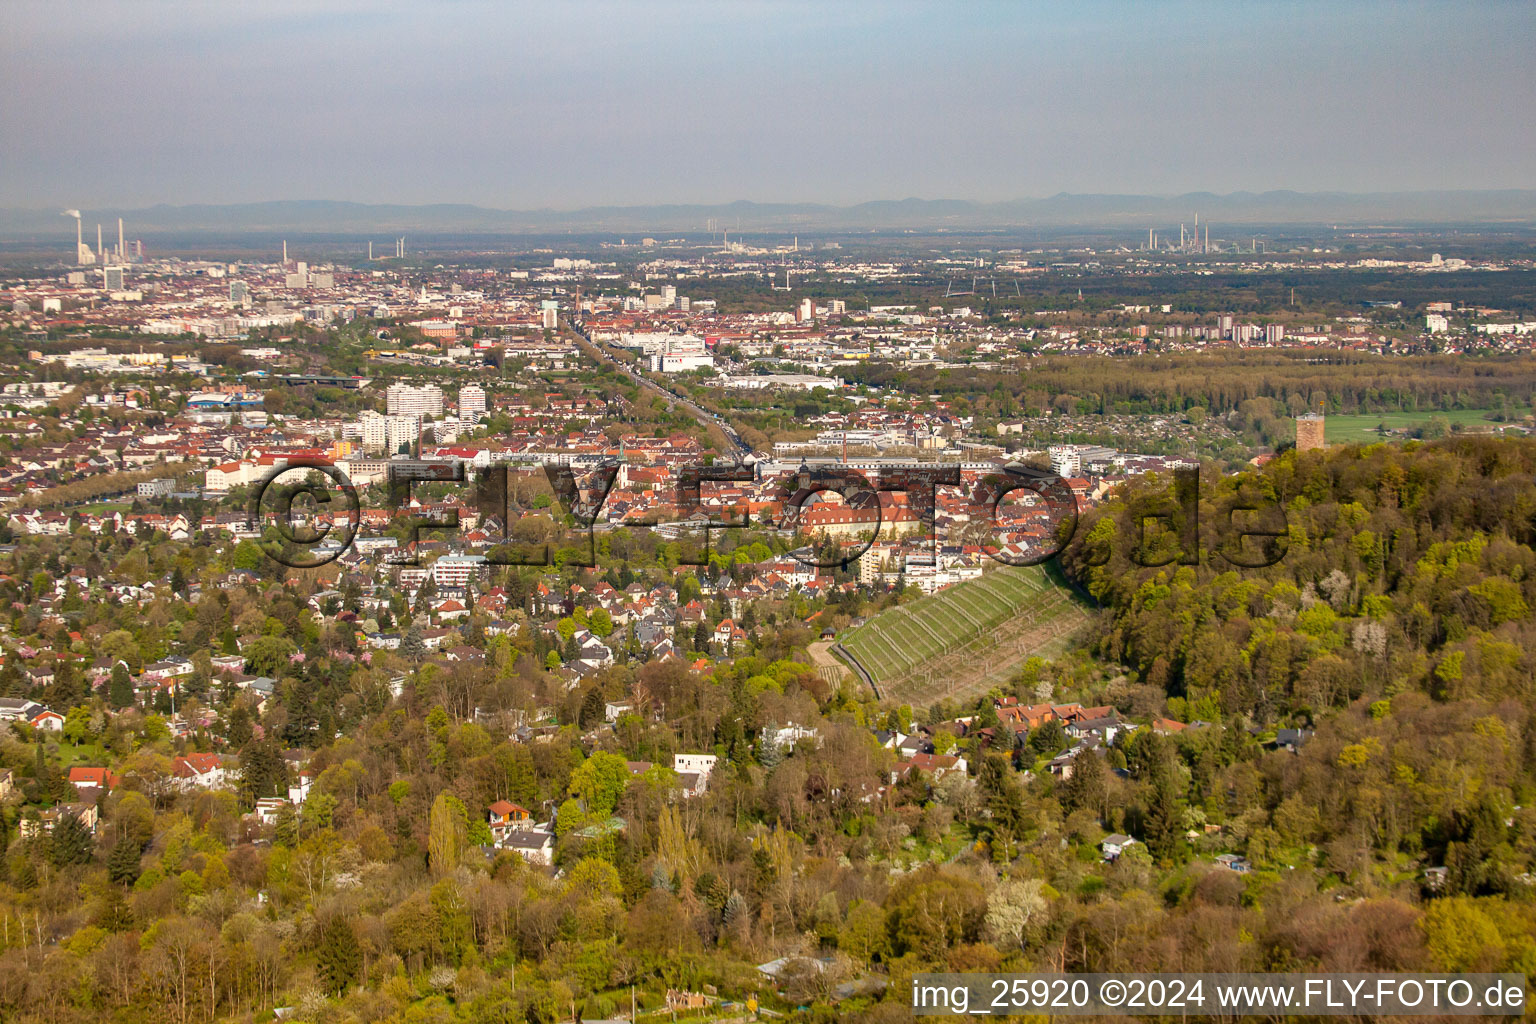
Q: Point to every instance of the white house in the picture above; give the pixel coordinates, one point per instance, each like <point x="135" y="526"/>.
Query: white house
<point x="48" y="721"/>
<point x="693" y="771"/>
<point x="1113" y="846"/>
<point x="199" y="771"/>
<point x="268" y="808"/>
<point x="536" y="846"/>
<point x="298" y="791"/>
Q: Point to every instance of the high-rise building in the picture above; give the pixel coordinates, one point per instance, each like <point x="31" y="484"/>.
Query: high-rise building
<point x="1274" y="333"/>
<point x="1435" y="323"/>
<point x="1065" y="460"/>
<point x="403" y="399"/>
<point x="1309" y="432"/>
<point x="239" y="292"/>
<point x="471" y="402"/>
<point x="386" y="434"/>
<point x="112" y="278"/>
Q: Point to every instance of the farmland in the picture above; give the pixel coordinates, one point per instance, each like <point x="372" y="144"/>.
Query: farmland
<point x="1365" y="428"/>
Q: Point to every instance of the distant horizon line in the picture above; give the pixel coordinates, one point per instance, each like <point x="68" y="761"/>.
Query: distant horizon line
<point x="1243" y="211"/>
<point x="818" y="203"/>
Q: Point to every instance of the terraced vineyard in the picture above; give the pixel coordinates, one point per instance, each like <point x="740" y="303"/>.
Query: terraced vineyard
<point x="968" y="637"/>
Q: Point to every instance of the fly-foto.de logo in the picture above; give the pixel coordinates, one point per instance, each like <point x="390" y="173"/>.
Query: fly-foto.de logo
<point x="308" y="512"/>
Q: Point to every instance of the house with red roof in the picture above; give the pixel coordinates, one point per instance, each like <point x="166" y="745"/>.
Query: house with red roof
<point x="506" y="817"/>
<point x="48" y="721"/>
<point x="84" y="777"/>
<point x="199" y="771"/>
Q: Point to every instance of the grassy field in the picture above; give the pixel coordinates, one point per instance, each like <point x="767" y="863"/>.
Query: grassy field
<point x="968" y="635"/>
<point x="1362" y="429"/>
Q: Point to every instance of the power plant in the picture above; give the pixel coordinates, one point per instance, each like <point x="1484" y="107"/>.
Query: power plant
<point x="1190" y="242"/>
<point x="83" y="255"/>
<point x="86" y="257"/>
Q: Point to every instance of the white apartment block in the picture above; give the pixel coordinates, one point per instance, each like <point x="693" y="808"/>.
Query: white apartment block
<point x="405" y="400"/>
<point x="456" y="571"/>
<point x="471" y="403"/>
<point x="385" y="434"/>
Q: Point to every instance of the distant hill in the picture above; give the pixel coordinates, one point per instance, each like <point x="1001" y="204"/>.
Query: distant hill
<point x="1063" y="210"/>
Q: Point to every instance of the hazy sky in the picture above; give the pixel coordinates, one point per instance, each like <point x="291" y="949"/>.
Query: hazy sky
<point x="575" y="104"/>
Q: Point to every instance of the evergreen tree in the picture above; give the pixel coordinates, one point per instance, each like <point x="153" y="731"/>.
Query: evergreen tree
<point x="339" y="957"/>
<point x="262" y="772"/>
<point x="120" y="689"/>
<point x="123" y="862"/>
<point x="1088" y="787"/>
<point x="70" y="842"/>
<point x="593" y="709"/>
<point x="12" y="682"/>
<point x="1164" y="818"/>
<point x="1470" y="859"/>
<point x="1000" y="789"/>
<point x="522" y="780"/>
<point x="240" y="730"/>
<point x="115" y="915"/>
<point x="769" y="755"/>
<point x="286" y="829"/>
<point x="412" y="646"/>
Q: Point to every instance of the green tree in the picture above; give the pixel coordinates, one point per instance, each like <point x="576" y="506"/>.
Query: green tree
<point x="120" y="689"/>
<point x="600" y="623"/>
<point x="240" y="730"/>
<point x="1004" y="800"/>
<point x="411" y="645"/>
<point x="1088" y="787"/>
<point x="598" y="781"/>
<point x="1461" y="937"/>
<point x="77" y="724"/>
<point x="522" y="780"/>
<point x="447" y="834"/>
<point x="267" y="655"/>
<point x="123" y="861"/>
<point x="1165" y="814"/>
<point x="339" y="957"/>
<point x="70" y="842"/>
<point x="248" y="555"/>
<point x="593" y="709"/>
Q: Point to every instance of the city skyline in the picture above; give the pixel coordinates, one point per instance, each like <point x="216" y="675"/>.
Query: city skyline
<point x="598" y="105"/>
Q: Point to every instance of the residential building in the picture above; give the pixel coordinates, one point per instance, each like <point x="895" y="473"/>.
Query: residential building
<point x="406" y="400"/>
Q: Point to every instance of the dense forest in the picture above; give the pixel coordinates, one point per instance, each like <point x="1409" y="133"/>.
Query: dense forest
<point x="1090" y="289"/>
<point x="1396" y="568"/>
<point x="1345" y="382"/>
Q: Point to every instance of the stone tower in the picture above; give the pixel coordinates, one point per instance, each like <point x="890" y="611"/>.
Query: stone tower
<point x="1309" y="432"/>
